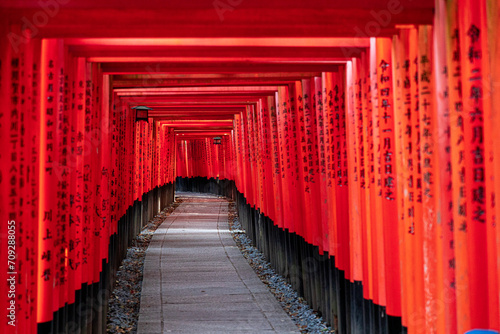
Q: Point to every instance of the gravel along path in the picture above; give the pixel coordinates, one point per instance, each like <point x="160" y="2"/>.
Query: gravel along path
<point x="124" y="302"/>
<point x="304" y="317"/>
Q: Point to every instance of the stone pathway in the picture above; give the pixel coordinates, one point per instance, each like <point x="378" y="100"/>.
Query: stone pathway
<point x="197" y="281"/>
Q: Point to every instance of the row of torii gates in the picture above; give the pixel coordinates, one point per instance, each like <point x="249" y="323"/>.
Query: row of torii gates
<point x="361" y="136"/>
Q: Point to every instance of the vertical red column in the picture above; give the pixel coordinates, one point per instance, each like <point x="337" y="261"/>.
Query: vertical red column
<point x="266" y="158"/>
<point x="194" y="146"/>
<point x="179" y="162"/>
<point x="238" y="152"/>
<point x="137" y="157"/>
<point x="129" y="152"/>
<point x="219" y="173"/>
<point x="116" y="140"/>
<point x="472" y="34"/>
<point x="342" y="175"/>
<point x="105" y="152"/>
<point x="389" y="182"/>
<point x="209" y="149"/>
<point x="5" y="55"/>
<point x="428" y="130"/>
<point x="155" y="147"/>
<point x="150" y="153"/>
<point x="446" y="303"/>
<point x="32" y="179"/>
<point x="250" y="155"/>
<point x="120" y="162"/>
<point x="224" y="158"/>
<point x="398" y="74"/>
<point x="201" y="150"/>
<point x="17" y="225"/>
<point x="125" y="176"/>
<point x="461" y="283"/>
<point x="263" y="157"/>
<point x="254" y="151"/>
<point x="488" y="22"/>
<point x="404" y="150"/>
<point x="47" y="298"/>
<point x="96" y="164"/>
<point x="306" y="148"/>
<point x="353" y="104"/>
<point x="361" y="137"/>
<point x="315" y="177"/>
<point x="69" y="105"/>
<point x="211" y="156"/>
<point x="189" y="152"/>
<point x="88" y="182"/>
<point x="278" y="199"/>
<point x="161" y="154"/>
<point x="303" y="163"/>
<point x="297" y="125"/>
<point x="365" y="127"/>
<point x="206" y="150"/>
<point x="200" y="166"/>
<point x="311" y="178"/>
<point x="142" y="173"/>
<point x="62" y="173"/>
<point x="163" y="158"/>
<point x="494" y="18"/>
<point x="416" y="225"/>
<point x="379" y="296"/>
<point x="329" y="105"/>
<point x="320" y="131"/>
<point x="171" y="159"/>
<point x="18" y="170"/>
<point x="80" y="152"/>
<point x="171" y="154"/>
<point x="145" y="157"/>
<point x="282" y="118"/>
<point x="190" y="149"/>
<point x="231" y="169"/>
<point x="244" y="156"/>
<point x="143" y="151"/>
<point x="230" y="150"/>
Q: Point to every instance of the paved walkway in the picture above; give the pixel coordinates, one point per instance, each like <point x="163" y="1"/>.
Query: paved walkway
<point x="197" y="281"/>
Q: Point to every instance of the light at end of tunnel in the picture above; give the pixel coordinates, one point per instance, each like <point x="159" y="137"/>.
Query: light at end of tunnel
<point x="404" y="26"/>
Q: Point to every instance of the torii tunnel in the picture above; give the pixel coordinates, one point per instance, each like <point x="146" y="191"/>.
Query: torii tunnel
<point x="360" y="140"/>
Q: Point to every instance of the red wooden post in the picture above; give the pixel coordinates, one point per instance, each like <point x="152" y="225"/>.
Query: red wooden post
<point x="388" y="172"/>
